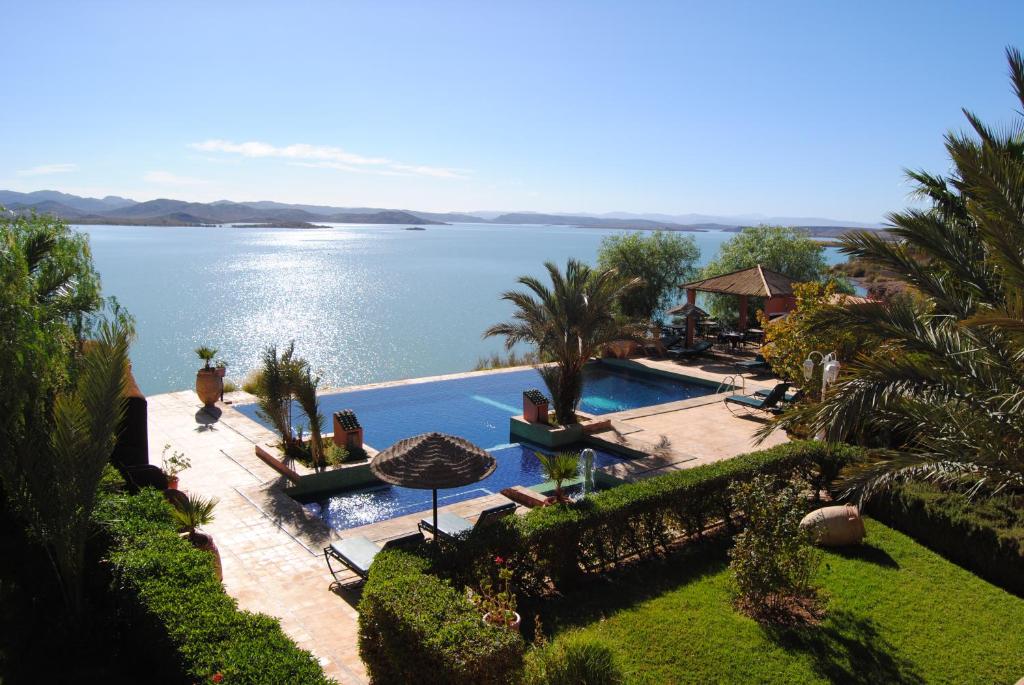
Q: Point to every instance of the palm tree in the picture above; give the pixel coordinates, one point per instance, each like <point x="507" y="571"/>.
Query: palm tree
<point x="568" y="322"/>
<point x="559" y="467"/>
<point x="192" y="512"/>
<point x="946" y="388"/>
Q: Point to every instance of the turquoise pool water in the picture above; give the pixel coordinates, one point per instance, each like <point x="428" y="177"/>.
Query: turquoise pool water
<point x="478" y="407"/>
<point x="517" y="465"/>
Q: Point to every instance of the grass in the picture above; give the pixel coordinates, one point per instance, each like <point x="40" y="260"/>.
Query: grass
<point x="896" y="613"/>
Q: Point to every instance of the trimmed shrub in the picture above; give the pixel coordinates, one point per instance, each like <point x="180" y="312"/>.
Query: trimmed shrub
<point x="573" y="660"/>
<point x="416" y="628"/>
<point x="642" y="518"/>
<point x="984" y="535"/>
<point x="169" y="593"/>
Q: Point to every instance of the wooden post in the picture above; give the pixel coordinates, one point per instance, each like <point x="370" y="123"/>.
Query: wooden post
<point x="691" y="320"/>
<point x="743" y="312"/>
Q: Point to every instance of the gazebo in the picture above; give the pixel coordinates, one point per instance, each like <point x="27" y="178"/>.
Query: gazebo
<point x="757" y="281"/>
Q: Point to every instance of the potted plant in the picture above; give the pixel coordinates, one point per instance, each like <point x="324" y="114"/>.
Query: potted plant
<point x="208" y="382"/>
<point x="559" y="467"/>
<point x="221" y="368"/>
<point x="173" y="465"/>
<point x="192" y="512"/>
<point x="499" y="608"/>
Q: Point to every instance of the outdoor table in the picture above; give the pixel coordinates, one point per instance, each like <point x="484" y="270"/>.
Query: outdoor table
<point x="754" y="335"/>
<point x="734" y="338"/>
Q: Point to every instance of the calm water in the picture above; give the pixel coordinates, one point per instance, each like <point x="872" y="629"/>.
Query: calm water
<point x="478" y="408"/>
<point x="363" y="303"/>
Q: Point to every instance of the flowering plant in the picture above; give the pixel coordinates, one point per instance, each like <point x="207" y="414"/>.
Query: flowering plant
<point x="498" y="607"/>
<point x="174" y="464"/>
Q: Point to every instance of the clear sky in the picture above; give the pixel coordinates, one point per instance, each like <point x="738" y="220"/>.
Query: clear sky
<point x="778" y="108"/>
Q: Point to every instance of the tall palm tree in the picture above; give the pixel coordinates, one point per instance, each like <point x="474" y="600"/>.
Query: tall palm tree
<point x="567" y="322"/>
<point x="946" y="388"/>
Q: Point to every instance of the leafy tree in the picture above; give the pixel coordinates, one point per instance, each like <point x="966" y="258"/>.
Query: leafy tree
<point x="809" y="327"/>
<point x="784" y="249"/>
<point x="64" y="395"/>
<point x="661" y="260"/>
<point x="946" y="389"/>
<point x="772" y="561"/>
<point x="568" y="322"/>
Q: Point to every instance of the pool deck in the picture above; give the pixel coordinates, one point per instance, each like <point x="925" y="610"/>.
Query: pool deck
<point x="271" y="549"/>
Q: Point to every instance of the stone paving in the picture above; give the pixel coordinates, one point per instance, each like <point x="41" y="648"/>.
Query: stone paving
<point x="271" y="549"/>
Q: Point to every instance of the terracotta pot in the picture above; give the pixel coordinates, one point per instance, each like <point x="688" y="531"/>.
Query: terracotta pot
<point x="172" y="482"/>
<point x="208" y="386"/>
<point x="835" y="526"/>
<point x="205" y="542"/>
<point x="512" y="626"/>
<point x="221" y="371"/>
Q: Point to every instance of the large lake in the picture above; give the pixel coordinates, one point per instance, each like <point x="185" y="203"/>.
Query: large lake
<point x="363" y="303"/>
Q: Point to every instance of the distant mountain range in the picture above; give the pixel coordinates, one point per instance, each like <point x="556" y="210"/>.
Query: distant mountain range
<point x="124" y="211"/>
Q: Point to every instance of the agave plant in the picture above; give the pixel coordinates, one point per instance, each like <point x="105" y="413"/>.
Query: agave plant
<point x="567" y="322"/>
<point x="946" y="388"/>
<point x="559" y="467"/>
<point x="193" y="512"/>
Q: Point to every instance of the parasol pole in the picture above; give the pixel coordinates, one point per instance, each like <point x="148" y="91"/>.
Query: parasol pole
<point x="435" y="513"/>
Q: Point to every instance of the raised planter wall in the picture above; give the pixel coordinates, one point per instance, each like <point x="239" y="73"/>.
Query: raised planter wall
<point x="332" y="482"/>
<point x="544" y="435"/>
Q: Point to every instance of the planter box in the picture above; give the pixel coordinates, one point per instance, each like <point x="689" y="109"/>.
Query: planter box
<point x="544" y="435"/>
<point x="332" y="482"/>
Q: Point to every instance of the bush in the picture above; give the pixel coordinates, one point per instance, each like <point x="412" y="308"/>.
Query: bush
<point x="772" y="560"/>
<point x="983" y="534"/>
<point x="416" y="628"/>
<point x="179" y="612"/>
<point x="573" y="660"/>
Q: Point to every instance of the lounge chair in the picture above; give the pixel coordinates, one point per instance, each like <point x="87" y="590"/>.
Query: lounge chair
<point x="697" y="350"/>
<point x="755" y="365"/>
<point x="357" y="553"/>
<point x="659" y="346"/>
<point x="787" y="398"/>
<point x="751" y="403"/>
<point x="454" y="527"/>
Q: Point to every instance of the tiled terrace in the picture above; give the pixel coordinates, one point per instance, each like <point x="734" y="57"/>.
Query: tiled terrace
<point x="271" y="549"/>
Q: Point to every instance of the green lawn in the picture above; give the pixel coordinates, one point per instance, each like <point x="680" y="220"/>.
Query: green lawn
<point x="896" y="612"/>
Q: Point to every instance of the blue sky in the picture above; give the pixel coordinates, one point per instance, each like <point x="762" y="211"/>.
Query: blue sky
<point x="796" y="109"/>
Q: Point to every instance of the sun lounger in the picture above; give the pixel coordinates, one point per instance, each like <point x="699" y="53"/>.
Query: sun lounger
<point x="703" y="347"/>
<point x="755" y="365"/>
<point x="454" y="527"/>
<point x="752" y="403"/>
<point x="357" y="553"/>
<point x="787" y="398"/>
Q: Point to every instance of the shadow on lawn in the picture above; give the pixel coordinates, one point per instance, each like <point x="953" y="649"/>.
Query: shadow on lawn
<point x="867" y="552"/>
<point x="599" y="597"/>
<point x="847" y="649"/>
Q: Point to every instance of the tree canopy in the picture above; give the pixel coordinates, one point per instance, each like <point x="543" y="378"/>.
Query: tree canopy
<point x="663" y="261"/>
<point x="784" y="249"/>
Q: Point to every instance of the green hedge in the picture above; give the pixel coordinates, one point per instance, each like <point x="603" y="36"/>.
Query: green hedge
<point x="416" y="628"/>
<point x="642" y="518"/>
<point x="179" y="611"/>
<point x="984" y="535"/>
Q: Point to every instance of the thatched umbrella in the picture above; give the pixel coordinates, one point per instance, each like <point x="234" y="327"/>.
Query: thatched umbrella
<point x="433" y="461"/>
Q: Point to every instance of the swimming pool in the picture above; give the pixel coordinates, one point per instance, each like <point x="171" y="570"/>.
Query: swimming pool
<point x="517" y="465"/>
<point x="478" y="407"/>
